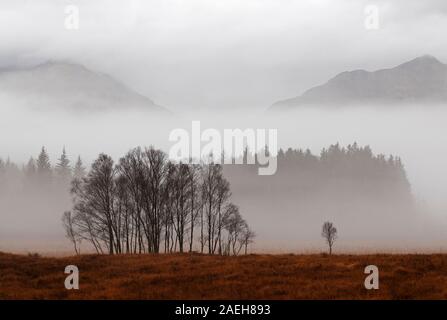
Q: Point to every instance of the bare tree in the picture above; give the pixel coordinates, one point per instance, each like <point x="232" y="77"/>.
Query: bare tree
<point x="223" y="194"/>
<point x="209" y="192"/>
<point x="153" y="196"/>
<point x="168" y="217"/>
<point x="94" y="197"/>
<point x="238" y="234"/>
<point x="196" y="204"/>
<point x="248" y="236"/>
<point x="71" y="234"/>
<point x="329" y="233"/>
<point x="181" y="198"/>
<point x="232" y="223"/>
<point x="131" y="170"/>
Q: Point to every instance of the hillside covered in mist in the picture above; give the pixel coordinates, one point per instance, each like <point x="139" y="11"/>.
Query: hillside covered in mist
<point x="57" y="86"/>
<point x="421" y="80"/>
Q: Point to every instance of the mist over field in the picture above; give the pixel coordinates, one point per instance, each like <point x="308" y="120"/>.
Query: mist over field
<point x="415" y="134"/>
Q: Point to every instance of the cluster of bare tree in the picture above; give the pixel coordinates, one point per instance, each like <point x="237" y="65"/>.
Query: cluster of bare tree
<point x="146" y="203"/>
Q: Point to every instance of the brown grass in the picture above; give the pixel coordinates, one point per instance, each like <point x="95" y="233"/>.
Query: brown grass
<point x="211" y="277"/>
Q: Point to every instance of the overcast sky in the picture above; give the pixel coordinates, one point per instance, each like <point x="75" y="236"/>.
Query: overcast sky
<point x="222" y="53"/>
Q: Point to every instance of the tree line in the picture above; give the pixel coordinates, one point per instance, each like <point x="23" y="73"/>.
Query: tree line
<point x="39" y="171"/>
<point x="336" y="169"/>
<point x="148" y="204"/>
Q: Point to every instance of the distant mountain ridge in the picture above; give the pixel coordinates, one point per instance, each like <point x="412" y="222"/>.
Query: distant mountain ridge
<point x="57" y="85"/>
<point x="423" y="79"/>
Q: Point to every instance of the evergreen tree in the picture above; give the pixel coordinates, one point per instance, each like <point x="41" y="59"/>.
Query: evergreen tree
<point x="79" y="169"/>
<point x="43" y="164"/>
<point x="63" y="168"/>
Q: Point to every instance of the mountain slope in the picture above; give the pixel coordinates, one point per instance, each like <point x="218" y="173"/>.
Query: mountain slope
<point x="61" y="86"/>
<point x="423" y="79"/>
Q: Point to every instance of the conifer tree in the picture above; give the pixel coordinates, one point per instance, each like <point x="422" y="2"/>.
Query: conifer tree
<point x="43" y="163"/>
<point x="63" y="168"/>
<point x="43" y="169"/>
<point x="79" y="169"/>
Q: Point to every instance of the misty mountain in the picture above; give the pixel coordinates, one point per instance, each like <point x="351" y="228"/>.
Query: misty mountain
<point x="421" y="80"/>
<point x="62" y="86"/>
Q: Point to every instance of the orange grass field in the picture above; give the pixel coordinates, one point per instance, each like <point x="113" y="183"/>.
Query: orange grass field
<point x="194" y="276"/>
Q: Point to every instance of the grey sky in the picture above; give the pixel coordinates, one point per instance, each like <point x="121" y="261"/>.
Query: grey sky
<point x="225" y="53"/>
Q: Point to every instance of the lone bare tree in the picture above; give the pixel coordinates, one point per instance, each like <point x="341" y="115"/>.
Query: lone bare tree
<point x="329" y="233"/>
